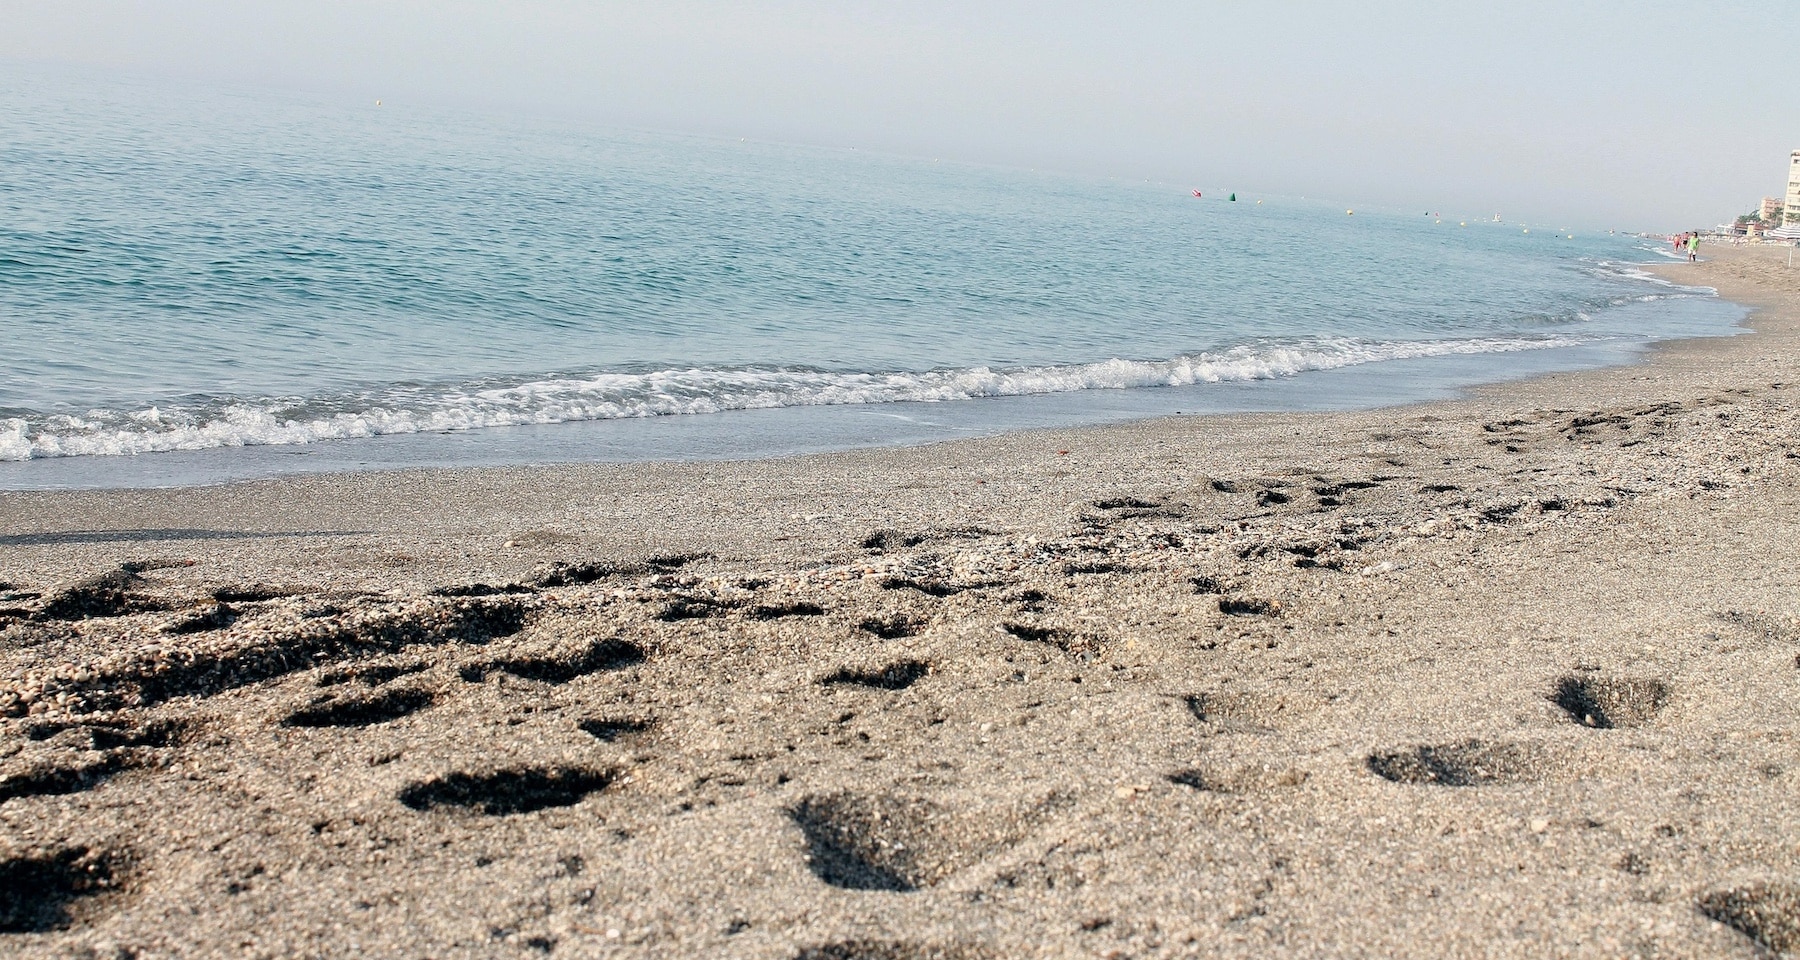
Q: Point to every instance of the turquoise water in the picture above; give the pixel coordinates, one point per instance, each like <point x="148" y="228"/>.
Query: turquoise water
<point x="184" y="269"/>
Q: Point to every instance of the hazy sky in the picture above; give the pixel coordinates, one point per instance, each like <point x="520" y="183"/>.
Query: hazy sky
<point x="1636" y="114"/>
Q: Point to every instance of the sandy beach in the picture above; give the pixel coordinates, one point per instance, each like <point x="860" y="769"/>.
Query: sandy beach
<point x="1510" y="676"/>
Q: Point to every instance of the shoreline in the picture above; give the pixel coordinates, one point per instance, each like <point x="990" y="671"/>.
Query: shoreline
<point x="1512" y="674"/>
<point x="804" y="430"/>
<point x="316" y="489"/>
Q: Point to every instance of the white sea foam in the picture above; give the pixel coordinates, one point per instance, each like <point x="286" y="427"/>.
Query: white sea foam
<point x="232" y="423"/>
<point x="1636" y="271"/>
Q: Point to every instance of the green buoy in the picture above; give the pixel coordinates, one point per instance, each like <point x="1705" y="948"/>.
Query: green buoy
<point x="1232" y="198"/>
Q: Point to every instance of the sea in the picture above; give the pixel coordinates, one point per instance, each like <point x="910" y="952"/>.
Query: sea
<point x="202" y="285"/>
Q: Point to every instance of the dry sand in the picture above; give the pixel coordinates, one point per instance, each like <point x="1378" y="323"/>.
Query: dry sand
<point x="1508" y="676"/>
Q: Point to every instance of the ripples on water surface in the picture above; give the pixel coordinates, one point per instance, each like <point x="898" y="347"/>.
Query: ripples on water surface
<point x="185" y="269"/>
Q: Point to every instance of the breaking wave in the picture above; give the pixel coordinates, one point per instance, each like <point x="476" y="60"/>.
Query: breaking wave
<point x="238" y="421"/>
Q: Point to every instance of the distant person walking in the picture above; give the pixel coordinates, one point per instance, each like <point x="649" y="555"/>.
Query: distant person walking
<point x="1693" y="246"/>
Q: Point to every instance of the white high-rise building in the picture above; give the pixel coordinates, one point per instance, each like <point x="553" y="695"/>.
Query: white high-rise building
<point x="1791" y="209"/>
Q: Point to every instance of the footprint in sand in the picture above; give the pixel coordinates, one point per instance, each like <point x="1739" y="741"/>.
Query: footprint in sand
<point x="1768" y="913"/>
<point x="1466" y="764"/>
<point x="362" y="711"/>
<point x="1608" y="702"/>
<point x="614" y="729"/>
<point x="58" y="890"/>
<point x="894" y="627"/>
<point x="894" y="676"/>
<point x="564" y="666"/>
<point x="882" y="841"/>
<point x="1077" y="644"/>
<point x="508" y="791"/>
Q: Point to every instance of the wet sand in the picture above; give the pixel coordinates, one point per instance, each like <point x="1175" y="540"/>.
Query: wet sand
<point x="1513" y="675"/>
